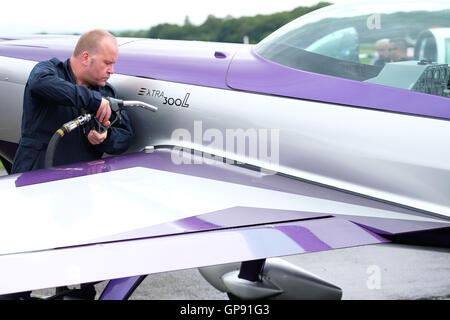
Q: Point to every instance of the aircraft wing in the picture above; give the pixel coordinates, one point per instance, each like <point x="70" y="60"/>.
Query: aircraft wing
<point x="141" y="213"/>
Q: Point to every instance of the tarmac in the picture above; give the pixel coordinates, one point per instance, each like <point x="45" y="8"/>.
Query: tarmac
<point x="375" y="272"/>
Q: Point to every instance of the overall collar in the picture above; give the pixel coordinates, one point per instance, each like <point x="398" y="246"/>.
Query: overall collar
<point x="69" y="71"/>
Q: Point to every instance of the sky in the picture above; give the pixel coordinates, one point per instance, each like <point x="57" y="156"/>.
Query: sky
<point x="52" y="16"/>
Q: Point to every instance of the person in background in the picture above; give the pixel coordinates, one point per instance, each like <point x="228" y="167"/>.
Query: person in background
<point x="382" y="48"/>
<point x="398" y="50"/>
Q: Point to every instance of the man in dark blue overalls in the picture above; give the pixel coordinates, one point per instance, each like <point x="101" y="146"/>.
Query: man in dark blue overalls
<point x="58" y="92"/>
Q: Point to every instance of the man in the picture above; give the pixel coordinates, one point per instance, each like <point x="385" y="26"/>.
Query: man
<point x="57" y="92"/>
<point x="382" y="48"/>
<point x="398" y="50"/>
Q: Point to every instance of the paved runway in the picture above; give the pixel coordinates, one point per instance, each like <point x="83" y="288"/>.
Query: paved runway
<point x="401" y="272"/>
<point x="382" y="271"/>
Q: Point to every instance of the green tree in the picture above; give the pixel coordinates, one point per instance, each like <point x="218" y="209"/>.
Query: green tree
<point x="226" y="29"/>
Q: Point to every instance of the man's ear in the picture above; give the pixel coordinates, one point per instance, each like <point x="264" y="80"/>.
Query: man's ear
<point x="85" y="58"/>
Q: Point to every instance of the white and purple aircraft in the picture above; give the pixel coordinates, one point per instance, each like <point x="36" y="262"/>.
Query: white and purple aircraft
<point x="301" y="143"/>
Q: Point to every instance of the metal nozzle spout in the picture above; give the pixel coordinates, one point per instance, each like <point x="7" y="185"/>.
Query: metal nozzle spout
<point x="128" y="103"/>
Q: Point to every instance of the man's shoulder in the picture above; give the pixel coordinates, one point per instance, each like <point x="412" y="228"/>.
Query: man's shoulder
<point x="53" y="63"/>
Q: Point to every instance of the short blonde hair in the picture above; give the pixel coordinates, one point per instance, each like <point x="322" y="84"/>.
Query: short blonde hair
<point x="90" y="41"/>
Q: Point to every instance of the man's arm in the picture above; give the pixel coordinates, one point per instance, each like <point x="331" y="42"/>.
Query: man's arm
<point x="45" y="84"/>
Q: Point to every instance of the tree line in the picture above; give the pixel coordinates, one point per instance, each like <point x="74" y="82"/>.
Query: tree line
<point x="226" y="29"/>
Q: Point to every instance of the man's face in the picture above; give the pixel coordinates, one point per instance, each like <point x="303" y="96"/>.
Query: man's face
<point x="101" y="64"/>
<point x="383" y="50"/>
<point x="396" y="52"/>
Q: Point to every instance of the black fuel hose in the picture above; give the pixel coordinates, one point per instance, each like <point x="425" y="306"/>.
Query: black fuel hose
<point x="68" y="127"/>
<point x="50" y="153"/>
<point x="57" y="136"/>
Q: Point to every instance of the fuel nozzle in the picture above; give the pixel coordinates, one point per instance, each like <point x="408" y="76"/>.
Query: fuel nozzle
<point x="116" y="105"/>
<point x="146" y="106"/>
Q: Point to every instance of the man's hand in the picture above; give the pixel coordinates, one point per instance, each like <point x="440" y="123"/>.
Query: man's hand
<point x="104" y="112"/>
<point x="96" y="138"/>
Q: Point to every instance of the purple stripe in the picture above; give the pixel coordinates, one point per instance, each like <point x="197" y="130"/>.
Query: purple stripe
<point x="252" y="73"/>
<point x="222" y="219"/>
<point x="195" y="224"/>
<point x="329" y="233"/>
<point x="62" y="172"/>
<point x="304" y="237"/>
<point x="179" y="61"/>
<point x="121" y="289"/>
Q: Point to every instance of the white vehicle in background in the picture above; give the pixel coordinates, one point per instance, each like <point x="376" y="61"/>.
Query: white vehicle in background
<point x="433" y="45"/>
